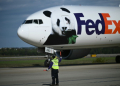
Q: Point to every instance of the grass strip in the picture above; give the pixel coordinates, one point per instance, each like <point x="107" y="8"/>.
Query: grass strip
<point x="21" y="63"/>
<point x="38" y="63"/>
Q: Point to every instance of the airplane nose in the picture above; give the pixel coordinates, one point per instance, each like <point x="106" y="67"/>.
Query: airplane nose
<point x="23" y="33"/>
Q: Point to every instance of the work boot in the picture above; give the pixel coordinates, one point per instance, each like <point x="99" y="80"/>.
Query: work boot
<point x="52" y="84"/>
<point x="57" y="85"/>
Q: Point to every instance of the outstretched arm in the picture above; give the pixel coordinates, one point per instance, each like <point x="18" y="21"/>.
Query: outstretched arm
<point x="51" y="63"/>
<point x="60" y="59"/>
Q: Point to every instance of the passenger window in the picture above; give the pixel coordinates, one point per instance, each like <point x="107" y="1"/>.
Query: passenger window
<point x="28" y="22"/>
<point x="40" y="21"/>
<point x="36" y="21"/>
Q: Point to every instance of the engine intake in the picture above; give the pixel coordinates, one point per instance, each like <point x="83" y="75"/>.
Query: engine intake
<point x="73" y="54"/>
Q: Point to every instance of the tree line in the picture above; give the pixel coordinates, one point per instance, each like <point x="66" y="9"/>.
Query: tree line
<point x="19" y="52"/>
<point x="33" y="51"/>
<point x="111" y="50"/>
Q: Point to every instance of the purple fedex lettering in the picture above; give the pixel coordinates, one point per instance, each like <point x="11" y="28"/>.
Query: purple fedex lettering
<point x="79" y="22"/>
<point x="102" y="23"/>
<point x="88" y="26"/>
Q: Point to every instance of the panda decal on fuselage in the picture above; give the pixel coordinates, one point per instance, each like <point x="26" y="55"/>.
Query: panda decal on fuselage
<point x="63" y="29"/>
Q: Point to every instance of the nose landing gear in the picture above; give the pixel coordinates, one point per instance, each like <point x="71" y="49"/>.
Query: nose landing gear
<point x="47" y="61"/>
<point x="117" y="59"/>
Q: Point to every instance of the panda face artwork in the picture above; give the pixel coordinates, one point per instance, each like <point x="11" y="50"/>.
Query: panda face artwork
<point x="63" y="24"/>
<point x="62" y="27"/>
<point x="60" y="23"/>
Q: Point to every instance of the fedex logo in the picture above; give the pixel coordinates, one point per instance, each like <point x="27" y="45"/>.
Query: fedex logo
<point x="91" y="24"/>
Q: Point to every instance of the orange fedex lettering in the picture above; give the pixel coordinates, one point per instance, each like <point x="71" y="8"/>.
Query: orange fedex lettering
<point x="117" y="27"/>
<point x="107" y="22"/>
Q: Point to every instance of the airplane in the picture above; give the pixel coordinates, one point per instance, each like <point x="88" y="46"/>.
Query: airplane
<point x="72" y="29"/>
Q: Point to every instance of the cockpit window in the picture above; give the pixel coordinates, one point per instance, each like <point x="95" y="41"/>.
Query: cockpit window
<point x="24" y="22"/>
<point x="40" y="21"/>
<point x="28" y="22"/>
<point x="35" y="21"/>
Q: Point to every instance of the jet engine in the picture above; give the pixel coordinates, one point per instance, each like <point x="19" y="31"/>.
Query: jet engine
<point x="73" y="54"/>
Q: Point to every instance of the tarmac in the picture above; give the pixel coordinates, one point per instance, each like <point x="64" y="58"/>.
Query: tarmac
<point x="44" y="57"/>
<point x="80" y="75"/>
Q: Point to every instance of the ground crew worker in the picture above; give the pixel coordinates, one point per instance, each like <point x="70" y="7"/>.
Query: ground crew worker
<point x="54" y="70"/>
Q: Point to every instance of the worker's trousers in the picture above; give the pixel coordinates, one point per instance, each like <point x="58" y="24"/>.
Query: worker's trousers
<point x="54" y="74"/>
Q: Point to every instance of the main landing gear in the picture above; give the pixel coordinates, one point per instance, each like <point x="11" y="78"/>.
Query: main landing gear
<point x="117" y="59"/>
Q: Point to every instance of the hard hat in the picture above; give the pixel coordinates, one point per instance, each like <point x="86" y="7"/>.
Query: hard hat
<point x="53" y="56"/>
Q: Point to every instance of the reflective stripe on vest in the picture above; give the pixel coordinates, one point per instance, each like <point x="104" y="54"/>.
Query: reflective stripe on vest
<point x="55" y="64"/>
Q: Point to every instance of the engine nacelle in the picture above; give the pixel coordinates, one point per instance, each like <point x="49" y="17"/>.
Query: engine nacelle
<point x="73" y="54"/>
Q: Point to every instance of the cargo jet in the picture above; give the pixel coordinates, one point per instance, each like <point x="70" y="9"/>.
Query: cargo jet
<point x="74" y="30"/>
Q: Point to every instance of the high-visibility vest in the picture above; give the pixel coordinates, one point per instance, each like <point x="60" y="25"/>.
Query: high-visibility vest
<point x="55" y="63"/>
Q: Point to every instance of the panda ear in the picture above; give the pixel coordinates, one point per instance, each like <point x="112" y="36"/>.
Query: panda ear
<point x="47" y="13"/>
<point x="66" y="10"/>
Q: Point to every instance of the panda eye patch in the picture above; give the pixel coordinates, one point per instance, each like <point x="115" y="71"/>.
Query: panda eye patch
<point x="58" y="22"/>
<point x="67" y="20"/>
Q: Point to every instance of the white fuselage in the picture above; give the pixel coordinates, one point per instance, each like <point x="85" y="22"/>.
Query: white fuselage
<point x="72" y="27"/>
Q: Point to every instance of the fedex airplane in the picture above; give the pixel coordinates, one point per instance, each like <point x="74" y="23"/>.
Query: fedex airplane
<point x="72" y="29"/>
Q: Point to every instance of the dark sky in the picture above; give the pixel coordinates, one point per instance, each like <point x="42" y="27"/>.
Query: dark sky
<point x="14" y="12"/>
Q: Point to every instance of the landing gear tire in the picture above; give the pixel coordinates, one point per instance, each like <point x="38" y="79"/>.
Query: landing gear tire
<point x="46" y="63"/>
<point x="117" y="59"/>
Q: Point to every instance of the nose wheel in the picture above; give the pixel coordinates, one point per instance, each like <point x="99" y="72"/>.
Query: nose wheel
<point x="117" y="59"/>
<point x="47" y="61"/>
